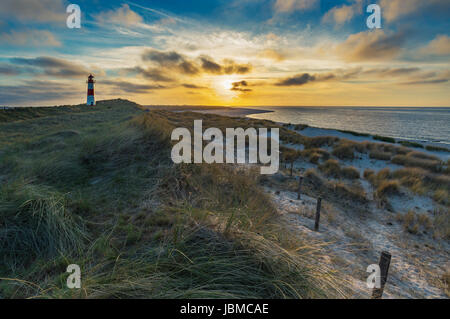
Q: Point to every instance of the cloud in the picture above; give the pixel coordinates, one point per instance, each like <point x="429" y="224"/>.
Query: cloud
<point x="228" y="66"/>
<point x="121" y="16"/>
<point x="272" y="54"/>
<point x="342" y="14"/>
<point x="154" y="74"/>
<point x="355" y="73"/>
<point x="6" y="69"/>
<point x="396" y="9"/>
<point x="162" y="57"/>
<point x="171" y="60"/>
<point x="436" y="81"/>
<point x="53" y="66"/>
<point x="284" y="6"/>
<point x="163" y="64"/>
<point x="193" y="86"/>
<point x="306" y="78"/>
<point x="240" y="86"/>
<point x="129" y="87"/>
<point x="30" y="38"/>
<point x="33" y="10"/>
<point x="391" y="72"/>
<point x="371" y="46"/>
<point x="210" y="66"/>
<point x="37" y="91"/>
<point x="176" y="62"/>
<point x="427" y="78"/>
<point x="297" y="80"/>
<point x="440" y="46"/>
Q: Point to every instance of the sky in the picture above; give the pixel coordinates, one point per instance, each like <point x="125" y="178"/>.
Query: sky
<point x="227" y="52"/>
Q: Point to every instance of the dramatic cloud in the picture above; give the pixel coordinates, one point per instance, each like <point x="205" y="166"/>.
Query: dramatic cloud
<point x="305" y="78"/>
<point x="30" y="38"/>
<point x="440" y="46"/>
<point x="176" y="62"/>
<point x="228" y="67"/>
<point x="340" y="15"/>
<point x="283" y="6"/>
<point x="53" y="66"/>
<point x="171" y="60"/>
<point x="162" y="58"/>
<point x="33" y="10"/>
<point x="210" y="66"/>
<point x="122" y="16"/>
<point x="371" y="46"/>
<point x="297" y="80"/>
<point x="240" y="86"/>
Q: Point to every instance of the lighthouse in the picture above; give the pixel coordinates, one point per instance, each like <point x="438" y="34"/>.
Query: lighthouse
<point x="90" y="91"/>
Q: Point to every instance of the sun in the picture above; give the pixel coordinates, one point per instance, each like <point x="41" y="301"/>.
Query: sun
<point x="223" y="86"/>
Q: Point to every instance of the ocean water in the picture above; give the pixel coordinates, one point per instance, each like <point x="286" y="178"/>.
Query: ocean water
<point x="418" y="124"/>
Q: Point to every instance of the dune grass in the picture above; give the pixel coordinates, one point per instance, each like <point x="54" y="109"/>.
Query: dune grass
<point x="97" y="188"/>
<point x="337" y="192"/>
<point x="333" y="169"/>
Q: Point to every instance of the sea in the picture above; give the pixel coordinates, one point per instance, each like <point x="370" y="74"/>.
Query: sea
<point x="427" y="124"/>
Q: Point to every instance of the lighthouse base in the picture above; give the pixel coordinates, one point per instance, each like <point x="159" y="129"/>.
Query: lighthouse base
<point x="90" y="100"/>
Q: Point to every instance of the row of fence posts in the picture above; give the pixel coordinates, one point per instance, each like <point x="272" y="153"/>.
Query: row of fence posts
<point x="385" y="258"/>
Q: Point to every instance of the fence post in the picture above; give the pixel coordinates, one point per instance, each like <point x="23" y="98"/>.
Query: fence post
<point x="300" y="180"/>
<point x="319" y="204"/>
<point x="385" y="262"/>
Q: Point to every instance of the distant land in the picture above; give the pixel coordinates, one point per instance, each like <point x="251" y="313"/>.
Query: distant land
<point x="218" y="110"/>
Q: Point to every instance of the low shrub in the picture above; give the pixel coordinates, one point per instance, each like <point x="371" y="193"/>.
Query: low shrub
<point x="383" y="156"/>
<point x="314" y="178"/>
<point x="331" y="168"/>
<point x="315" y="155"/>
<point x="442" y="196"/>
<point x="344" y="151"/>
<point x="384" y="139"/>
<point x="436" y="148"/>
<point x="350" y="173"/>
<point x="320" y="141"/>
<point x="411" y="161"/>
<point x="422" y="155"/>
<point x="352" y="193"/>
<point x="388" y="188"/>
<point x="369" y="174"/>
<point x="410" y="144"/>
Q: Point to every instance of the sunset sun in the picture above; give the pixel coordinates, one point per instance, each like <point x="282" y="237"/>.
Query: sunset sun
<point x="223" y="86"/>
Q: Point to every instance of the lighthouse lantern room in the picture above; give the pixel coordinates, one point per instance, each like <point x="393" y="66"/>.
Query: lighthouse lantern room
<point x="90" y="91"/>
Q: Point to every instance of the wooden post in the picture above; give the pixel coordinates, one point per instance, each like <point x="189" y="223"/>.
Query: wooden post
<point x="300" y="180"/>
<point x="281" y="159"/>
<point x="385" y="261"/>
<point x="319" y="204"/>
<point x="292" y="167"/>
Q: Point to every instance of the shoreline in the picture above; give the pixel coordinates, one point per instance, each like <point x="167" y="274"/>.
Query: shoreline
<point x="312" y="131"/>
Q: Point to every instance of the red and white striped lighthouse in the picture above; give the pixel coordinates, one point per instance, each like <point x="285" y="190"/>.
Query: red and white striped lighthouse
<point x="90" y="91"/>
